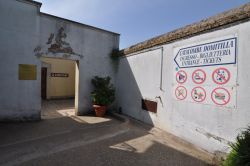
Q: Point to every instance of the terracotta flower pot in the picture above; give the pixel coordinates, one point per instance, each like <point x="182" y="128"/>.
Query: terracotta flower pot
<point x="100" y="110"/>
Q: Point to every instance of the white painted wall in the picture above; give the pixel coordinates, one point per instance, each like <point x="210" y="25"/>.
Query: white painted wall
<point x="207" y="126"/>
<point x="22" y="29"/>
<point x="94" y="45"/>
<point x="19" y="31"/>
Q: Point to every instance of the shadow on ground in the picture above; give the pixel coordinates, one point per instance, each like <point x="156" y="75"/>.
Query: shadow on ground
<point x="86" y="140"/>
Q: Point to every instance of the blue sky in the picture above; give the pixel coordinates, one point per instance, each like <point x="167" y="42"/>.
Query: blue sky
<point x="137" y="20"/>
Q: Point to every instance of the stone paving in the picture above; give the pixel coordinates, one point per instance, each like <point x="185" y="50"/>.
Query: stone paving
<point x="62" y="138"/>
<point x="57" y="108"/>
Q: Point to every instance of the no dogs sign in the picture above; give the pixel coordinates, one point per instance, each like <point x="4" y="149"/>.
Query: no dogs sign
<point x="198" y="94"/>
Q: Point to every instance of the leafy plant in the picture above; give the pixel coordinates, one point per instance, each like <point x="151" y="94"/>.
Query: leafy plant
<point x="115" y="59"/>
<point x="104" y="91"/>
<point x="240" y="153"/>
<point x="115" y="54"/>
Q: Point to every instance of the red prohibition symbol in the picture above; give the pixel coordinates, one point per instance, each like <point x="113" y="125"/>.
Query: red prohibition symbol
<point x="199" y="76"/>
<point x="198" y="94"/>
<point x="221" y="76"/>
<point x="181" y="92"/>
<point x="220" y="96"/>
<point x="181" y="76"/>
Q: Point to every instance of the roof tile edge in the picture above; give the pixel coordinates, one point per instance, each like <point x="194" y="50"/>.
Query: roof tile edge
<point x="219" y="20"/>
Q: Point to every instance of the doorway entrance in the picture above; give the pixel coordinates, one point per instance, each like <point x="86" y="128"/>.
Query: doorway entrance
<point x="44" y="83"/>
<point x="59" y="81"/>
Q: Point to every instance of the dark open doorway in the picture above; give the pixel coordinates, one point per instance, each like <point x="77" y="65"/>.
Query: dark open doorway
<point x="44" y="83"/>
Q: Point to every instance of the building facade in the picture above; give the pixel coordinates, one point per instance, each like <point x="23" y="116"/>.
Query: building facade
<point x="192" y="82"/>
<point x="27" y="38"/>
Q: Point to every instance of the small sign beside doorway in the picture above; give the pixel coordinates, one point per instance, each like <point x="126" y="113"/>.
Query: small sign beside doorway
<point x="27" y="72"/>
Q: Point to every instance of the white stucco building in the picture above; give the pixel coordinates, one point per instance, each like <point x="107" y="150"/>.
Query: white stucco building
<point x="31" y="40"/>
<point x="192" y="82"/>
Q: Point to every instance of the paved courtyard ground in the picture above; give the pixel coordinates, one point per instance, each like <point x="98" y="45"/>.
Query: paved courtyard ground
<point x="62" y="138"/>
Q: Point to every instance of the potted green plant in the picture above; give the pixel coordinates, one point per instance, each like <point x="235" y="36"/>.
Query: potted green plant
<point x="103" y="94"/>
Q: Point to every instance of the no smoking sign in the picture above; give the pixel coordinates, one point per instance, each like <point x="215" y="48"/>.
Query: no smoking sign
<point x="199" y="76"/>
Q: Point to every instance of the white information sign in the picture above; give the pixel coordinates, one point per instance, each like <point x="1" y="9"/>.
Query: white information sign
<point x="206" y="73"/>
<point x="221" y="52"/>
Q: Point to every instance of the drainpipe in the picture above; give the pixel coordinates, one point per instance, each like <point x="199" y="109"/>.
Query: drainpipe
<point x="161" y="79"/>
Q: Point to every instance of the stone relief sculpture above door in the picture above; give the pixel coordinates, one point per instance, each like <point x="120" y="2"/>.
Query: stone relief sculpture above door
<point x="57" y="46"/>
